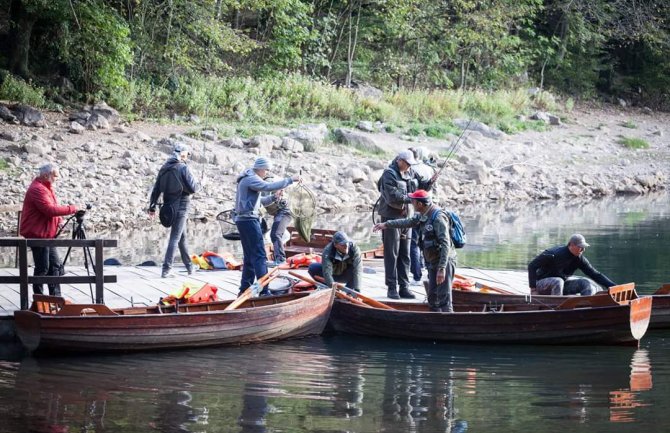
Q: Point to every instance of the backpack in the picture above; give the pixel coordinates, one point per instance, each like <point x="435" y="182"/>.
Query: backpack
<point x="456" y="228"/>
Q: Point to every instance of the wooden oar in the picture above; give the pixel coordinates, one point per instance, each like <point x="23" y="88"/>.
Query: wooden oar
<point x="247" y="294"/>
<point x="663" y="290"/>
<point x="484" y="286"/>
<point x="365" y="299"/>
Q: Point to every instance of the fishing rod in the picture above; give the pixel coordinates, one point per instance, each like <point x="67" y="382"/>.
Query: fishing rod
<point x="452" y="150"/>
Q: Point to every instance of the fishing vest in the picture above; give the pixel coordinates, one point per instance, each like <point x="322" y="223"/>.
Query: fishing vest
<point x="428" y="240"/>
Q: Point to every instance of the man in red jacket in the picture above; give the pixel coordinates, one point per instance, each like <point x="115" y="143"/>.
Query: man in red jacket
<point x="40" y="218"/>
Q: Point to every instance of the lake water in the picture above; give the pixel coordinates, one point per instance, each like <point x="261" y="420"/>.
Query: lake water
<point x="352" y="384"/>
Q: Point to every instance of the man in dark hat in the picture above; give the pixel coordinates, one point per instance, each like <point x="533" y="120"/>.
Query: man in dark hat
<point x="550" y="273"/>
<point x="341" y="262"/>
<point x="438" y="248"/>
<point x="395" y="183"/>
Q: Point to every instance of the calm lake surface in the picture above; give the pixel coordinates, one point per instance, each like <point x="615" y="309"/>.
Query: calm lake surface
<point x="352" y="384"/>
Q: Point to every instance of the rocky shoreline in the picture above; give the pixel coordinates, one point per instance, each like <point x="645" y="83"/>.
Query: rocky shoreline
<point x="112" y="164"/>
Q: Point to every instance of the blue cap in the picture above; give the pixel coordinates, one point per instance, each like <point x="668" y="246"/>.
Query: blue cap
<point x="262" y="163"/>
<point x="340" y="238"/>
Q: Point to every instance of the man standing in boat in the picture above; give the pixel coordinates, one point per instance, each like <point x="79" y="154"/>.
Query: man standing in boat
<point x="395" y="183"/>
<point x="176" y="183"/>
<point x="551" y="273"/>
<point x="424" y="169"/>
<point x="438" y="248"/>
<point x="250" y="184"/>
<point x="340" y="261"/>
<point x="40" y="218"/>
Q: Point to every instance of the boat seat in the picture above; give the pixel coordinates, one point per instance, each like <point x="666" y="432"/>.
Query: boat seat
<point x="47" y="304"/>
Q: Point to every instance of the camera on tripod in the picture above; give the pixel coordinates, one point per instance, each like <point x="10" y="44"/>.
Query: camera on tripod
<point x="79" y="215"/>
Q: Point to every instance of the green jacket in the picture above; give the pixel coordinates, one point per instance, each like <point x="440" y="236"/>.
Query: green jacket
<point x="331" y="266"/>
<point x="437" y="245"/>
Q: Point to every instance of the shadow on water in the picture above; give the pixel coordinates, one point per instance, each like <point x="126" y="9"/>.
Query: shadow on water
<point x="340" y="383"/>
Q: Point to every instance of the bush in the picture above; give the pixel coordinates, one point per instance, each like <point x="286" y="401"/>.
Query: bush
<point x="14" y="89"/>
<point x="634" y="143"/>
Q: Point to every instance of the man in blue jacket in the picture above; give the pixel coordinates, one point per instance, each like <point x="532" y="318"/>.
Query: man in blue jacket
<point x="550" y="273"/>
<point x="176" y="182"/>
<point x="250" y="184"/>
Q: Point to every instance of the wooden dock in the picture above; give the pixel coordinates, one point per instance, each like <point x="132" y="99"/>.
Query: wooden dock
<point x="143" y="285"/>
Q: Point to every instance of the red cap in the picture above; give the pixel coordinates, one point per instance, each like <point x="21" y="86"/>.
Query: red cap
<point x="419" y="194"/>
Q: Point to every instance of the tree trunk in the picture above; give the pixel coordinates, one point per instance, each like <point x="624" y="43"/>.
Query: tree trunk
<point x="20" y="31"/>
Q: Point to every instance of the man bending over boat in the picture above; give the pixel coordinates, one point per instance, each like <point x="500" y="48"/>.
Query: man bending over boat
<point x="438" y="248"/>
<point x="550" y="273"/>
<point x="250" y="184"/>
<point x="340" y="261"/>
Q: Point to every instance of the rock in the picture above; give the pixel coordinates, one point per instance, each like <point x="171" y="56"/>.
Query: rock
<point x="96" y="121"/>
<point x="233" y="142"/>
<point x="288" y="143"/>
<point x="474" y="125"/>
<point x="376" y="164"/>
<point x="76" y="128"/>
<point x="58" y="137"/>
<point x="365" y="126"/>
<point x="554" y="120"/>
<point x="111" y="115"/>
<point x="120" y="129"/>
<point x="264" y="143"/>
<point x="311" y="136"/>
<point x="193" y="118"/>
<point x="140" y="136"/>
<point x="357" y="140"/>
<point x="28" y="116"/>
<point x="355" y="175"/>
<point x="7" y="116"/>
<point x="540" y="115"/>
<point x="36" y="148"/>
<point x="209" y="134"/>
<point x="9" y="136"/>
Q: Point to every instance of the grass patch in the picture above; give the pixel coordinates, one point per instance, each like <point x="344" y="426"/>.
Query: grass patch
<point x="634" y="143"/>
<point x="513" y="126"/>
<point x="4" y="165"/>
<point x="15" y="89"/>
<point x="629" y="124"/>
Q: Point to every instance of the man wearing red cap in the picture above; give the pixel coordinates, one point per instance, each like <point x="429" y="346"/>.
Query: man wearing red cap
<point x="438" y="248"/>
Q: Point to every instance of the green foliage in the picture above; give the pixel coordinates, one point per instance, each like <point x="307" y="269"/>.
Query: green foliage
<point x="629" y="124"/>
<point x="4" y="165"/>
<point x="634" y="142"/>
<point x="15" y="89"/>
<point x="97" y="48"/>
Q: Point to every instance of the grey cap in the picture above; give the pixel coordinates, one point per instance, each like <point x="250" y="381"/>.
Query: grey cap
<point x="340" y="238"/>
<point x="578" y="240"/>
<point x="262" y="163"/>
<point x="407" y="156"/>
<point x="180" y="148"/>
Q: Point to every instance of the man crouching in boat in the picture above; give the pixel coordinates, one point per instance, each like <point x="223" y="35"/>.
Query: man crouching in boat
<point x="550" y="273"/>
<point x="438" y="248"/>
<point x="340" y="261"/>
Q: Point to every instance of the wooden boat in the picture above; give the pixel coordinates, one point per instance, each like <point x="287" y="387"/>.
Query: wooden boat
<point x="318" y="240"/>
<point x="489" y="297"/>
<point x="614" y="317"/>
<point x="51" y="325"/>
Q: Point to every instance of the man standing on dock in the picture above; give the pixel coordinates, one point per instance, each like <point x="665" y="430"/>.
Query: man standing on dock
<point x="176" y="182"/>
<point x="395" y="183"/>
<point x="438" y="248"/>
<point x="250" y="184"/>
<point x="40" y="218"/>
<point x="550" y="273"/>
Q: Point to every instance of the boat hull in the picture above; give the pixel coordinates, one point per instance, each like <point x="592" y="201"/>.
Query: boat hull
<point x="301" y="315"/>
<point x="618" y="325"/>
<point x="660" y="314"/>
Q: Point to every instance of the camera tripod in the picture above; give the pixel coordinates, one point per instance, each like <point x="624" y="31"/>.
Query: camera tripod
<point x="79" y="233"/>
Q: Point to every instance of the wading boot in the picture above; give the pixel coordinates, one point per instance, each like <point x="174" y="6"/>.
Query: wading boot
<point x="393" y="294"/>
<point x="406" y="294"/>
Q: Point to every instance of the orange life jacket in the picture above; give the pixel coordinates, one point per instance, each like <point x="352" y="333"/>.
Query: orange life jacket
<point x="300" y="261"/>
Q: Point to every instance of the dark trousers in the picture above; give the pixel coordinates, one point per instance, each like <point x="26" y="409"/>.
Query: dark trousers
<point x="281" y="221"/>
<point x="346" y="277"/>
<point x="415" y="259"/>
<point x="47" y="263"/>
<point x="439" y="297"/>
<point x="396" y="257"/>
<point x="178" y="240"/>
<point x="253" y="247"/>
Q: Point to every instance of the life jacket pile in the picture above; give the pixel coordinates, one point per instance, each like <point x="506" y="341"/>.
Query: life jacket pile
<point x="188" y="294"/>
<point x="300" y="261"/>
<point x="209" y="260"/>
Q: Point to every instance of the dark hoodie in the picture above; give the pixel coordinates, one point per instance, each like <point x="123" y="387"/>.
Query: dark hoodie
<point x="175" y="182"/>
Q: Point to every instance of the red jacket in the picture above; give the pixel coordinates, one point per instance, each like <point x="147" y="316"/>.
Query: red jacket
<point x="41" y="213"/>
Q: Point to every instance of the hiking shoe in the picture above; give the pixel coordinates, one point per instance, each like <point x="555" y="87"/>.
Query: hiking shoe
<point x="393" y="294"/>
<point x="406" y="294"/>
<point x="417" y="283"/>
<point x="167" y="273"/>
<point x="192" y="270"/>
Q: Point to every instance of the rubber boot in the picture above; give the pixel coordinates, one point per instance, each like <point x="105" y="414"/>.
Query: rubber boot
<point x="406" y="294"/>
<point x="393" y="294"/>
